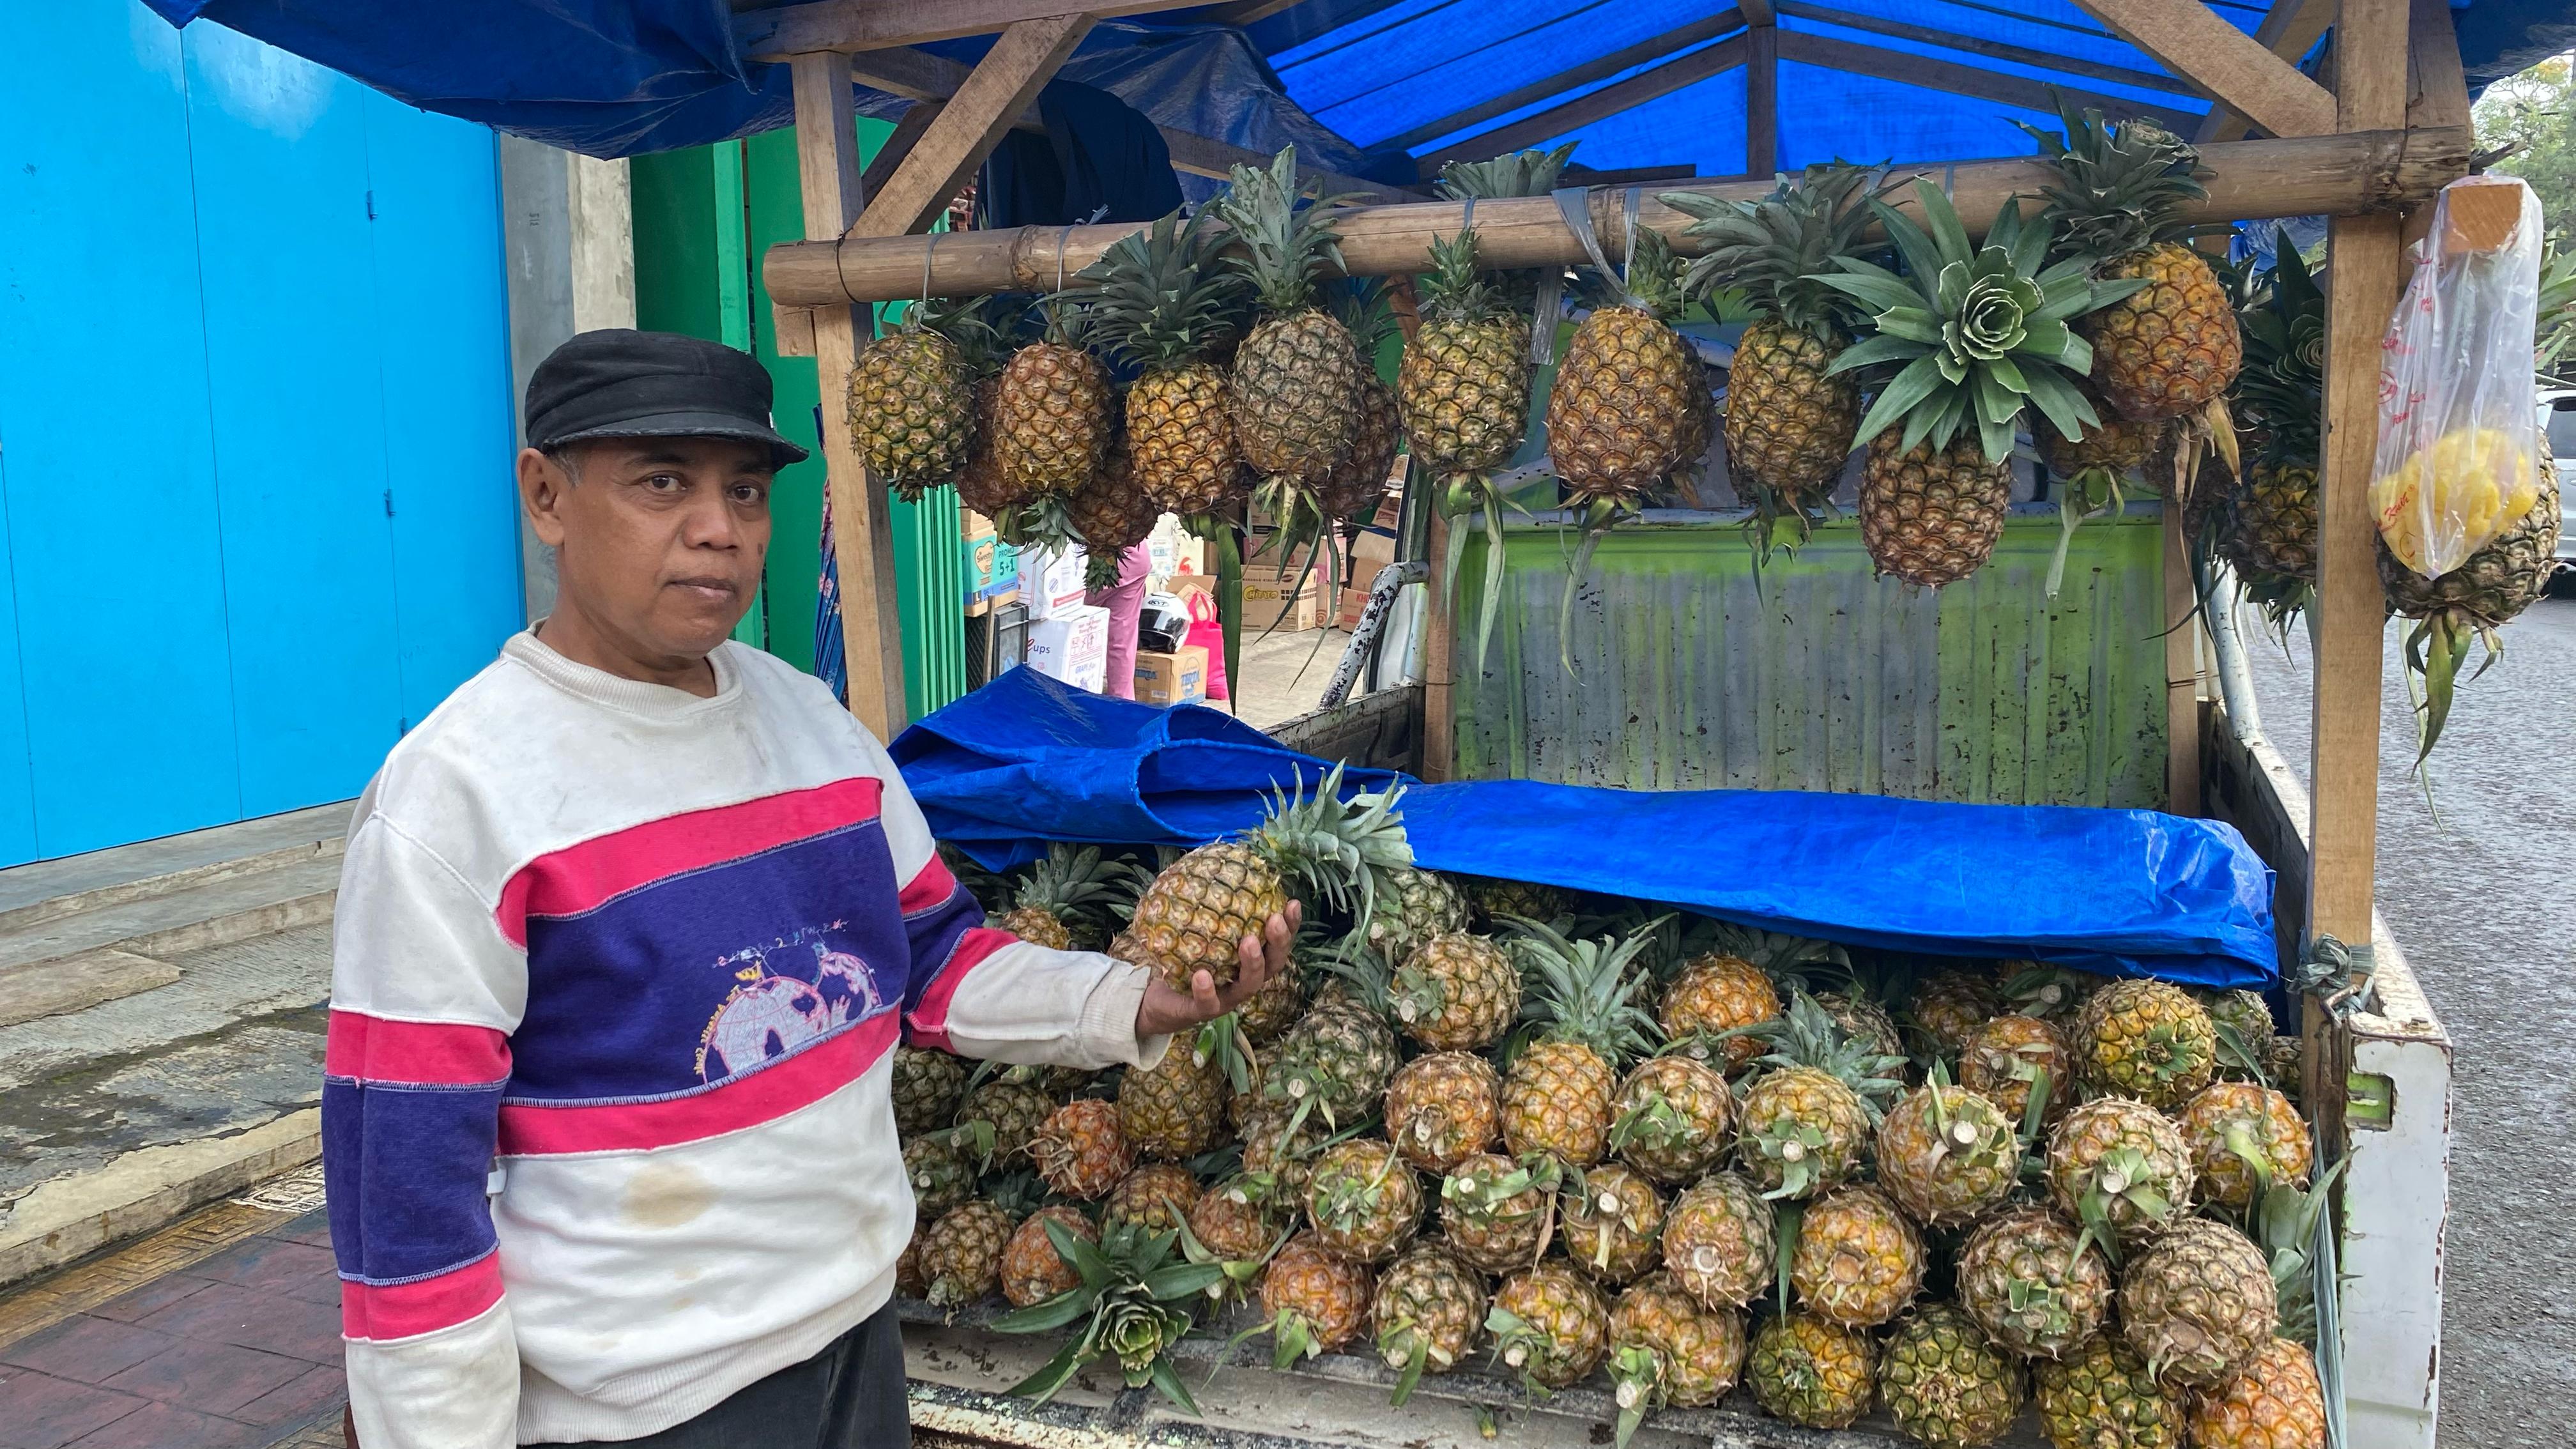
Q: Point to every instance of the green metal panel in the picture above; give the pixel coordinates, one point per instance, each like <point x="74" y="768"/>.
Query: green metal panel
<point x="1820" y="676"/>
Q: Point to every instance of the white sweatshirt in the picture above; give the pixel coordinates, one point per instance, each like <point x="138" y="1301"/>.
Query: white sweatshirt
<point x="616" y="979"/>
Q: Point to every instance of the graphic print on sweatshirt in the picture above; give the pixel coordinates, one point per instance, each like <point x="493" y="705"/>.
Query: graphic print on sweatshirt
<point x="686" y="957"/>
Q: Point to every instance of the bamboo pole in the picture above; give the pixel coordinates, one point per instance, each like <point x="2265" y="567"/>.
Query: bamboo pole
<point x="2337" y="175"/>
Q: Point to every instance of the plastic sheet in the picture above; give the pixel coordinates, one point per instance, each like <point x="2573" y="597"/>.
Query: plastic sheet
<point x="2128" y="892"/>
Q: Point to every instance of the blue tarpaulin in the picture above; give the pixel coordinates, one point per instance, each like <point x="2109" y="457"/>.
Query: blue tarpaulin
<point x="2128" y="892"/>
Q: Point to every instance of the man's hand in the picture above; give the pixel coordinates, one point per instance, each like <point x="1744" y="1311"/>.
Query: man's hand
<point x="1257" y="959"/>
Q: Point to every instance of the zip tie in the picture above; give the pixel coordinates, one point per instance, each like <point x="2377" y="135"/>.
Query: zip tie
<point x="1468" y="221"/>
<point x="1062" y="239"/>
<point x="929" y="250"/>
<point x="1628" y="210"/>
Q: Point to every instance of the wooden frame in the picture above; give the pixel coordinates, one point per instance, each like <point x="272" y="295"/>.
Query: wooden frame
<point x="1907" y="68"/>
<point x="855" y="25"/>
<point x="2231" y="67"/>
<point x="1582" y="111"/>
<point x="1624" y="58"/>
<point x="2288" y="30"/>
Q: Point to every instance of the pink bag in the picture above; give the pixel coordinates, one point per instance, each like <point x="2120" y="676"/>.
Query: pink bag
<point x="1208" y="634"/>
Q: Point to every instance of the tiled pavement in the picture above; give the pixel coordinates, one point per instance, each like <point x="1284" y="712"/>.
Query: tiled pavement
<point x="222" y="1330"/>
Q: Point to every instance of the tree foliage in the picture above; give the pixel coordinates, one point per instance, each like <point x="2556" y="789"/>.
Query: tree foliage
<point x="2536" y="110"/>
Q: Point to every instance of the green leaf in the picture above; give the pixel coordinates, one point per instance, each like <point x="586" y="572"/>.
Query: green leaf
<point x="1048" y="1316"/>
<point x="1920" y="379"/>
<point x="1950" y="294"/>
<point x="2028" y="245"/>
<point x="1168" y="1379"/>
<point x="2059" y="402"/>
<point x="1923" y="256"/>
<point x="1057" y="1372"/>
<point x="1912" y="324"/>
<point x="1996" y="437"/>
<point x="1877" y="290"/>
<point x="2057" y="343"/>
<point x="1412" y="1375"/>
<point x="1942" y="221"/>
<point x="1872" y="350"/>
<point x="1182" y="1280"/>
<point x="1996" y="403"/>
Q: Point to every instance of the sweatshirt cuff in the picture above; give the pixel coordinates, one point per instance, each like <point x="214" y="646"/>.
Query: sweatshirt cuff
<point x="1108" y="1030"/>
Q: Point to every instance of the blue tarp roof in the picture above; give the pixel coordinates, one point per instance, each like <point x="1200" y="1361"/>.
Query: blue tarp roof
<point x="1360" y="85"/>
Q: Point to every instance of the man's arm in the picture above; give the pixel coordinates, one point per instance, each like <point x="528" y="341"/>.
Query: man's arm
<point x="425" y="992"/>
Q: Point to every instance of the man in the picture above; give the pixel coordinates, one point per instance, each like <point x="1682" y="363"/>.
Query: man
<point x="626" y="934"/>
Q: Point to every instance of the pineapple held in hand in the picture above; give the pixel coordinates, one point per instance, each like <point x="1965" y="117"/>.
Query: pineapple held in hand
<point x="1199" y="908"/>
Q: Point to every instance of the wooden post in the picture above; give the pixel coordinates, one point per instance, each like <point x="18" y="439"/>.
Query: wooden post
<point x="1439" y="647"/>
<point x="2182" y="671"/>
<point x="1761" y="98"/>
<point x="827" y="165"/>
<point x="2364" y="277"/>
<point x="970" y="125"/>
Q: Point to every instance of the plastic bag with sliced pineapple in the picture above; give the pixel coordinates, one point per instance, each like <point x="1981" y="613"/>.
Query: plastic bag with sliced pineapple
<point x="2458" y="440"/>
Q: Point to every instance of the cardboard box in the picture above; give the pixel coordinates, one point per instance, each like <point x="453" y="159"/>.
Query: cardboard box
<point x="1173" y="551"/>
<point x="992" y="566"/>
<point x="1072" y="645"/>
<point x="1051" y="580"/>
<point x="1266" y="594"/>
<point x="1372" y="550"/>
<point x="1348" y="617"/>
<point x="1179" y="677"/>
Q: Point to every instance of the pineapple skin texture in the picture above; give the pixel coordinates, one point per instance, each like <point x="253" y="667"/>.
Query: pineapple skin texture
<point x="1787" y="424"/>
<point x="2276" y="519"/>
<point x="1357" y="484"/>
<point x="1571" y="1325"/>
<point x="1180" y="432"/>
<point x="1505" y="1240"/>
<point x="1858" y="1262"/>
<point x="1155" y="1196"/>
<point x="1614" y="1245"/>
<point x="1051" y="409"/>
<point x="2275" y="1403"/>
<point x="1702" y="1349"/>
<point x="1616" y="419"/>
<point x="981" y="483"/>
<point x="1462" y="389"/>
<point x="1032" y="1270"/>
<point x="1557" y="1099"/>
<point x="1443" y="1108"/>
<point x="2098" y="1128"/>
<point x="1173" y="1110"/>
<point x="1430" y="1294"/>
<point x="1238" y="1232"/>
<point x="1700" y="1098"/>
<point x="1717" y="1242"/>
<point x="1080" y="1151"/>
<point x="2034" y="1246"/>
<point x="1719" y="993"/>
<point x="1939" y="1180"/>
<point x="1296" y="396"/>
<point x="1931" y="516"/>
<point x="927" y="1087"/>
<point x="2119" y="444"/>
<point x="2273" y="1124"/>
<point x="1037" y="927"/>
<point x="1944" y="1384"/>
<point x="1477" y="987"/>
<point x="2146" y="1039"/>
<point x="961" y="1254"/>
<point x="2170" y="347"/>
<point x="2197" y="1304"/>
<point x="1111" y="512"/>
<point x="1330" y="1293"/>
<point x="1998" y="1049"/>
<point x="1805" y="1096"/>
<point x="912" y="409"/>
<point x="1385" y="1193"/>
<point x="2102" y="1397"/>
<point x="1811" y="1372"/>
<point x="1198" y="910"/>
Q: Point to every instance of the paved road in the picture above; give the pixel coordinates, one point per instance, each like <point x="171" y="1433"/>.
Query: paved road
<point x="2480" y="899"/>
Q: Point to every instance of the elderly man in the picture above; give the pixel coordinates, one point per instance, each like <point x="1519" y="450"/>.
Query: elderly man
<point x="628" y="931"/>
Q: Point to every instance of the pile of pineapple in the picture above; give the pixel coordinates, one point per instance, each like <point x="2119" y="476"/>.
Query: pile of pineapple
<point x="1557" y="1136"/>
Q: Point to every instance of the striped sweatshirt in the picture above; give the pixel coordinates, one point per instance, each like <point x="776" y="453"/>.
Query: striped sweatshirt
<point x="616" y="978"/>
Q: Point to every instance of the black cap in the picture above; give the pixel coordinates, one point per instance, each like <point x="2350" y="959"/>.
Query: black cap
<point x="620" y="383"/>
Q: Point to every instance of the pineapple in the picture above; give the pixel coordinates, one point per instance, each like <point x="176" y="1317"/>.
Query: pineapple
<point x="1156" y="1197"/>
<point x="961" y="1254"/>
<point x="1982" y="333"/>
<point x="926" y="1087"/>
<point x="1812" y="1373"/>
<point x="1365" y="1204"/>
<point x="2197" y="1305"/>
<point x="1675" y="1119"/>
<point x="940" y="1175"/>
<point x="909" y="1279"/>
<point x="1492" y="1215"/>
<point x="1079" y="1149"/>
<point x="1443" y="1108"/>
<point x="2274" y="1402"/>
<point x="2281" y="399"/>
<point x="1805" y="1123"/>
<point x="2051" y="993"/>
<point x="1614" y="1223"/>
<point x="2034" y="1283"/>
<point x="1063" y="887"/>
<point x="1275" y="1007"/>
<point x="1315" y="1301"/>
<point x="1278" y="1143"/>
<point x="1009" y="1114"/>
<point x="2117" y="445"/>
<point x="1716" y="994"/>
<point x="912" y="404"/>
<point x="2497" y="582"/>
<point x="1944" y="1384"/>
<point x="1335" y="1062"/>
<point x="1549" y="1325"/>
<point x="1717" y="1242"/>
<point x="1427" y="1311"/>
<point x="1463" y="385"/>
<point x="1493" y="898"/>
<point x="2244" y="1137"/>
<point x="1616" y="416"/>
<point x="2145" y="1039"/>
<point x="1232" y="1224"/>
<point x="1109" y="514"/>
<point x="1947" y="1154"/>
<point x="1858" y="1262"/>
<point x="2121" y="1169"/>
<point x="1296" y="379"/>
<point x="1456" y="992"/>
<point x="2011" y="1058"/>
<point x="1694" y="1353"/>
<point x="1032" y="1270"/>
<point x="1413" y="905"/>
<point x="2244" y="1024"/>
<point x="2171" y="346"/>
<point x="1789" y="420"/>
<point x="1051" y="408"/>
<point x="2100" y="1396"/>
<point x="981" y="483"/>
<point x="1166" y="305"/>
<point x="1865" y="1021"/>
<point x="1198" y="909"/>
<point x="1173" y="1110"/>
<point x="1559" y="1095"/>
<point x="1356" y="487"/>
<point x="1950" y="1004"/>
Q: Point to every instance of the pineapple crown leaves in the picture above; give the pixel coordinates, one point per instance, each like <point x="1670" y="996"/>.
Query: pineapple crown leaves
<point x="1366" y="310"/>
<point x="1638" y="1388"/>
<point x="2122" y="1174"/>
<point x="1285" y="248"/>
<point x="981" y="328"/>
<point x="2119" y="186"/>
<point x="1349" y="1201"/>
<point x="1521" y="173"/>
<point x="1165" y="296"/>
<point x="1064" y="881"/>
<point x="1981" y="330"/>
<point x="1127" y="1291"/>
<point x="1806" y="1035"/>
<point x="1518" y="1343"/>
<point x="1650" y="280"/>
<point x="1334" y="846"/>
<point x="2281" y="389"/>
<point x="1456" y="289"/>
<point x="1585" y="990"/>
<point x="1772" y="249"/>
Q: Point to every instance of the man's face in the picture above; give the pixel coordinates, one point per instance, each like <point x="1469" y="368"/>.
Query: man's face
<point x="661" y="540"/>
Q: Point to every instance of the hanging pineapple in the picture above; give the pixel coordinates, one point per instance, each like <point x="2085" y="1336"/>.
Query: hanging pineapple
<point x="1616" y="417"/>
<point x="983" y="347"/>
<point x="1166" y="304"/>
<point x="1051" y="407"/>
<point x="1296" y="378"/>
<point x="1354" y="489"/>
<point x="1520" y="173"/>
<point x="1463" y="389"/>
<point x="2471" y="602"/>
<point x="1983" y="334"/>
<point x="912" y="398"/>
<point x="1789" y="419"/>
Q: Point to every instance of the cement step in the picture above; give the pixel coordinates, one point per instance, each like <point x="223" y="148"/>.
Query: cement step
<point x="49" y="889"/>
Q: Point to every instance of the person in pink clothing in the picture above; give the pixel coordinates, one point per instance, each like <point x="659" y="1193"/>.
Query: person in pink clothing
<point x="1124" y="600"/>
